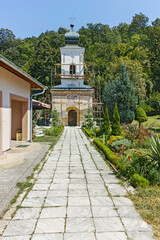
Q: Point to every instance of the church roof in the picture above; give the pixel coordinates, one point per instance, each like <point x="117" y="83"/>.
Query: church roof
<point x="72" y="37"/>
<point x="11" y="67"/>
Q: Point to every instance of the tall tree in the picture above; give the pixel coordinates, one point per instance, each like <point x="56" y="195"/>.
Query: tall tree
<point x="116" y="130"/>
<point x="121" y="91"/>
<point x="138" y="24"/>
<point x="106" y="121"/>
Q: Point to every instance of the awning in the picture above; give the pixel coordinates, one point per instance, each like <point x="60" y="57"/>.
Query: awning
<point x="39" y="105"/>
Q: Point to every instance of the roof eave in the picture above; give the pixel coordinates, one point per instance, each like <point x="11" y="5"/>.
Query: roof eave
<point x="8" y="65"/>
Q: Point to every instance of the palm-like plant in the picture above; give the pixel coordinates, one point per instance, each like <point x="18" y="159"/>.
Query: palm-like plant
<point x="154" y="151"/>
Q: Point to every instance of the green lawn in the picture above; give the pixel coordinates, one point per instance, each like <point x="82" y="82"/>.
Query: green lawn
<point x="153" y="123"/>
<point x="49" y="139"/>
<point x="147" y="203"/>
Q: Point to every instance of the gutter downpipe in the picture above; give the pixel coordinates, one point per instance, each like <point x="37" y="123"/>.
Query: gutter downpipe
<point x="32" y="95"/>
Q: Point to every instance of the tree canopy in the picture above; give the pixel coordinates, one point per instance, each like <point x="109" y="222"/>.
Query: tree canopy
<point x="136" y="44"/>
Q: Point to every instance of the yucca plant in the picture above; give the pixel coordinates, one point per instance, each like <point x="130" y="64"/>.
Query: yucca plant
<point x="154" y="150"/>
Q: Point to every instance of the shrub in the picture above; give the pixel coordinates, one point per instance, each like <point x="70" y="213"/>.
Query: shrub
<point x="108" y="153"/>
<point x="154" y="101"/>
<point x="140" y="116"/>
<point x="147" y="108"/>
<point x="154" y="150"/>
<point x="90" y="133"/>
<point x="137" y="181"/>
<point x="116" y="122"/>
<point x="134" y="163"/>
<point x="54" y="131"/>
<point x="119" y="146"/>
<point x="89" y="119"/>
<point x="153" y="174"/>
<point x="135" y="134"/>
<point x="55" y="118"/>
<point x="106" y="122"/>
<point x="115" y="138"/>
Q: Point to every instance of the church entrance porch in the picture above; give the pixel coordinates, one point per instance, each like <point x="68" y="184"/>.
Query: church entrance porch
<point x="72" y="118"/>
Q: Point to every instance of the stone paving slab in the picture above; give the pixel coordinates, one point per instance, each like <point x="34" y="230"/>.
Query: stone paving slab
<point x="9" y="177"/>
<point x="75" y="197"/>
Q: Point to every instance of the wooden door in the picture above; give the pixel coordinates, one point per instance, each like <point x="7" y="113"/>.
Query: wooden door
<point x="72" y="118"/>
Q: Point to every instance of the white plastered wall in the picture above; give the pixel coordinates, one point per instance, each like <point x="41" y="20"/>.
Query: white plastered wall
<point x="11" y="84"/>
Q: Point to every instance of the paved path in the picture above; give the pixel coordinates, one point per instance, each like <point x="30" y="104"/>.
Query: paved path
<point x="10" y="176"/>
<point x="76" y="197"/>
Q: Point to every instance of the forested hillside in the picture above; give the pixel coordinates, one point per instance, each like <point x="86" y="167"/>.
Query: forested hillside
<point x="136" y="44"/>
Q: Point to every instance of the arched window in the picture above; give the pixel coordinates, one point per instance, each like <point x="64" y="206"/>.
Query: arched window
<point x="72" y="69"/>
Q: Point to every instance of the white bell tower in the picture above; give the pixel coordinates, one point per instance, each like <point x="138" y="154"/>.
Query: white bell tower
<point x="72" y="57"/>
<point x="71" y="98"/>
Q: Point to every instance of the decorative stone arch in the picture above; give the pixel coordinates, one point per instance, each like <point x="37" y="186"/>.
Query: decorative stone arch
<point x="77" y="112"/>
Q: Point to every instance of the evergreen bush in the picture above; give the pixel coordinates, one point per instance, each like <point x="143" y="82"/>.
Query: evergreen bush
<point x="55" y="118"/>
<point x="137" y="181"/>
<point x="106" y="122"/>
<point x="116" y="131"/>
<point x="121" y="91"/>
<point x="108" y="153"/>
<point x="140" y="116"/>
<point x="89" y="119"/>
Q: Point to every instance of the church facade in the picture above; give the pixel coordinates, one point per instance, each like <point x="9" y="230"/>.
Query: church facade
<point x="72" y="97"/>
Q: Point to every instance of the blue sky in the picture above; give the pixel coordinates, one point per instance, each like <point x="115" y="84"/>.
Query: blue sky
<point x="27" y="18"/>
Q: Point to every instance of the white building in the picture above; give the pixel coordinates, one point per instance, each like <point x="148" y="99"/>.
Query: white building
<point x="72" y="97"/>
<point x="15" y="105"/>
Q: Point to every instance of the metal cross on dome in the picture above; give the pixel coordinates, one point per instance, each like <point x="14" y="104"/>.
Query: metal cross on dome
<point x="72" y="18"/>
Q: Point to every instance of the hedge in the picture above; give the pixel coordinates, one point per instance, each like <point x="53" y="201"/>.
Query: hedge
<point x="54" y="131"/>
<point x="138" y="181"/>
<point x="87" y="131"/>
<point x="108" y="153"/>
<point x="135" y="180"/>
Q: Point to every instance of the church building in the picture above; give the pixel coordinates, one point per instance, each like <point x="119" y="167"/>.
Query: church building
<point x="72" y="97"/>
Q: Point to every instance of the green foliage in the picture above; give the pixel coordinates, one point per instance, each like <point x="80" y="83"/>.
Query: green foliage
<point x="54" y="131"/>
<point x="55" y="118"/>
<point x="116" y="130"/>
<point x="137" y="181"/>
<point x="154" y="150"/>
<point x="138" y="24"/>
<point x="147" y="108"/>
<point x="134" y="162"/>
<point x="119" y="146"/>
<point x="135" y="134"/>
<point x="136" y="44"/>
<point x="89" y="132"/>
<point x="108" y="153"/>
<point x="140" y="115"/>
<point x="154" y="102"/>
<point x="88" y="119"/>
<point x="106" y="121"/>
<point x="115" y="138"/>
<point x="121" y="91"/>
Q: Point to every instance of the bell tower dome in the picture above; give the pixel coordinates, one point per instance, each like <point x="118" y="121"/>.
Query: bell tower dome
<point x="72" y="37"/>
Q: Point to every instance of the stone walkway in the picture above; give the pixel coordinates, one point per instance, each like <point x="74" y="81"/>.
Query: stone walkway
<point x="76" y="197"/>
<point x="9" y="177"/>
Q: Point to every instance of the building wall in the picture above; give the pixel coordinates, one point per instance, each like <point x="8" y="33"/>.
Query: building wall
<point x="0" y="121"/>
<point x="63" y="104"/>
<point x="11" y="84"/>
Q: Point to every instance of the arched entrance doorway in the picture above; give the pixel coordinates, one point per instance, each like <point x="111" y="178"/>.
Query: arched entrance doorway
<point x="72" y="118"/>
